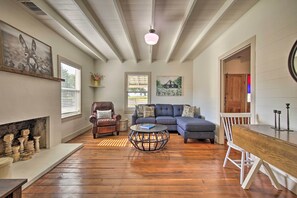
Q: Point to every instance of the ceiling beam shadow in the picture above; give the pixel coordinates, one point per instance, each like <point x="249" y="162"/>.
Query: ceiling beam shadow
<point x="207" y="28"/>
<point x="181" y="28"/>
<point x="61" y="21"/>
<point x="121" y="16"/>
<point x="96" y="23"/>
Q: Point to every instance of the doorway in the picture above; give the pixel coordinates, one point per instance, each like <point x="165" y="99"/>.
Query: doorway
<point x="237" y="85"/>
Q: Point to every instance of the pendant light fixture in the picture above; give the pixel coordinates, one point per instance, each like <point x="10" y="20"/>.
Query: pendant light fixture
<point x="151" y="38"/>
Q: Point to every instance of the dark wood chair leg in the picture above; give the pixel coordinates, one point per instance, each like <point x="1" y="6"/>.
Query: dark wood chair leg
<point x="212" y="141"/>
<point x="185" y="140"/>
<point x="118" y="133"/>
<point x="94" y="136"/>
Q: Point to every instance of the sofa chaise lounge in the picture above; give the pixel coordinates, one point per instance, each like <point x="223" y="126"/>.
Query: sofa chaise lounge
<point x="171" y="115"/>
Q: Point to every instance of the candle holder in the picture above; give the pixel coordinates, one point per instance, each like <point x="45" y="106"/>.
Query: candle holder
<point x="288" y="117"/>
<point x="275" y="125"/>
<point x="279" y="113"/>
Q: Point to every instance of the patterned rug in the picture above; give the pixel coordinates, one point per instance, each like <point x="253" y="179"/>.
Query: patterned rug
<point x="122" y="142"/>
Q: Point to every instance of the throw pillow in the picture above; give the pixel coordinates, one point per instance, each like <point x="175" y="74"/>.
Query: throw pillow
<point x="149" y="111"/>
<point x="188" y="111"/>
<point x="139" y="110"/>
<point x="104" y="114"/>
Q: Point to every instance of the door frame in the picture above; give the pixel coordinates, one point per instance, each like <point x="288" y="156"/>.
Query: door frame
<point x="248" y="43"/>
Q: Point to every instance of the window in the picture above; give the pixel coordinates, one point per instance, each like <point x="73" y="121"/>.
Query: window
<point x="70" y="88"/>
<point x="137" y="89"/>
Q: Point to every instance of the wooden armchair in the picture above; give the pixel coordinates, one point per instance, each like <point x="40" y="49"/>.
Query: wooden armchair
<point x="104" y="119"/>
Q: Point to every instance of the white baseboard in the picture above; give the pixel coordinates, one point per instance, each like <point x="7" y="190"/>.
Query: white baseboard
<point x="284" y="179"/>
<point x="76" y="133"/>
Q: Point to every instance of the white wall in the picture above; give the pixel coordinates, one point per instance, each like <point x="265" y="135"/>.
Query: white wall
<point x="275" y="35"/>
<point x="236" y="66"/>
<point x="25" y="97"/>
<point x="114" y="87"/>
<point x="273" y="22"/>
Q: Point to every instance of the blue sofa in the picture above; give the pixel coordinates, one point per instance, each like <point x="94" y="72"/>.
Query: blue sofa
<point x="171" y="116"/>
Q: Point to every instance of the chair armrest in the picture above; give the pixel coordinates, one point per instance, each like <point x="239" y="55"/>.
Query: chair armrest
<point x="93" y="118"/>
<point x="117" y="117"/>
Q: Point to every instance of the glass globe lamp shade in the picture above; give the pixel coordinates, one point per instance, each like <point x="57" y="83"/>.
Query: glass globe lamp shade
<point x="151" y="38"/>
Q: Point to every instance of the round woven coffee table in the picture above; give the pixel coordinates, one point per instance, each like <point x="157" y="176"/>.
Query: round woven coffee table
<point x="149" y="139"/>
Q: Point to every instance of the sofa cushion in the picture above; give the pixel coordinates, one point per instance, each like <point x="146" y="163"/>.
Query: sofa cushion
<point x="195" y="124"/>
<point x="177" y="110"/>
<point x="146" y="120"/>
<point x="165" y="120"/>
<point x="164" y="110"/>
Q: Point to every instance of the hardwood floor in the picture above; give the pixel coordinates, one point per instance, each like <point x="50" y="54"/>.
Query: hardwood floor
<point x="100" y="169"/>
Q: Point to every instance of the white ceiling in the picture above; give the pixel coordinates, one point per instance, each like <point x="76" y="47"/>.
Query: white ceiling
<point x="115" y="29"/>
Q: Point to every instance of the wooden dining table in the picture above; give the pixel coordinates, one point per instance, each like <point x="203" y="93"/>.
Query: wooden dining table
<point x="271" y="147"/>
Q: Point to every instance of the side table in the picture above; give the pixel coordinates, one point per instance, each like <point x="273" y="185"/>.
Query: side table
<point x="123" y="124"/>
<point x="11" y="188"/>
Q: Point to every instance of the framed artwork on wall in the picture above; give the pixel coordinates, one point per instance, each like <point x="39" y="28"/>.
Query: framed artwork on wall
<point x="169" y="86"/>
<point x="24" y="54"/>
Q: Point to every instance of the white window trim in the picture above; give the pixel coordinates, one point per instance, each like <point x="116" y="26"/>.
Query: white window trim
<point x="131" y="110"/>
<point x="67" y="117"/>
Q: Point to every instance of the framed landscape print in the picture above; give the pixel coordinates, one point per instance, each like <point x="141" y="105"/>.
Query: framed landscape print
<point x="169" y="85"/>
<point x="21" y="53"/>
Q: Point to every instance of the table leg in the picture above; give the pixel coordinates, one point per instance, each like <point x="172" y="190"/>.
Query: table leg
<point x="254" y="170"/>
<point x="271" y="176"/>
<point x="252" y="174"/>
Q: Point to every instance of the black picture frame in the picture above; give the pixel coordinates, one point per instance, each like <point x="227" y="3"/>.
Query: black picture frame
<point x="291" y="62"/>
<point x="23" y="54"/>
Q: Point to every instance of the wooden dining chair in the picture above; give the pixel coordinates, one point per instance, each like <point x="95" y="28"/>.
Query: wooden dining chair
<point x="228" y="120"/>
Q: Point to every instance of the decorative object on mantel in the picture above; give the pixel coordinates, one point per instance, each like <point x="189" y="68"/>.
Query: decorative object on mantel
<point x="25" y="133"/>
<point x="8" y="142"/>
<point x="21" y="140"/>
<point x="25" y="150"/>
<point x="37" y="147"/>
<point x="24" y="54"/>
<point x="16" y="154"/>
<point x="96" y="79"/>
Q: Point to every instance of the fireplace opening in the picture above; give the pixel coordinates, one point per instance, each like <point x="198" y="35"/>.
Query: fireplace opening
<point x="37" y="127"/>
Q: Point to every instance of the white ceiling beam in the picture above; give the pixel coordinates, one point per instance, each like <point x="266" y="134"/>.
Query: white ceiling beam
<point x="120" y="13"/>
<point x="181" y="28"/>
<point x="96" y="23"/>
<point x="207" y="28"/>
<point x="151" y="49"/>
<point x="61" y="21"/>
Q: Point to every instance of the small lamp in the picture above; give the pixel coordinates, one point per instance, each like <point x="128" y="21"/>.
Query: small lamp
<point x="151" y="38"/>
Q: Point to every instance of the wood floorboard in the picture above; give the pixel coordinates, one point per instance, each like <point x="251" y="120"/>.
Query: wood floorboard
<point x="180" y="170"/>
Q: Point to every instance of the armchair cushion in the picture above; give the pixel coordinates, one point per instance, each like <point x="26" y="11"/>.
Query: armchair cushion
<point x="106" y="122"/>
<point x="104" y="114"/>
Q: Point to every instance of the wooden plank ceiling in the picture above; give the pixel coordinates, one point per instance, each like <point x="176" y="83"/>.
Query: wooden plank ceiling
<point x="115" y="29"/>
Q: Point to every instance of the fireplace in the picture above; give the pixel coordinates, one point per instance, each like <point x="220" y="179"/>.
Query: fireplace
<point x="37" y="127"/>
